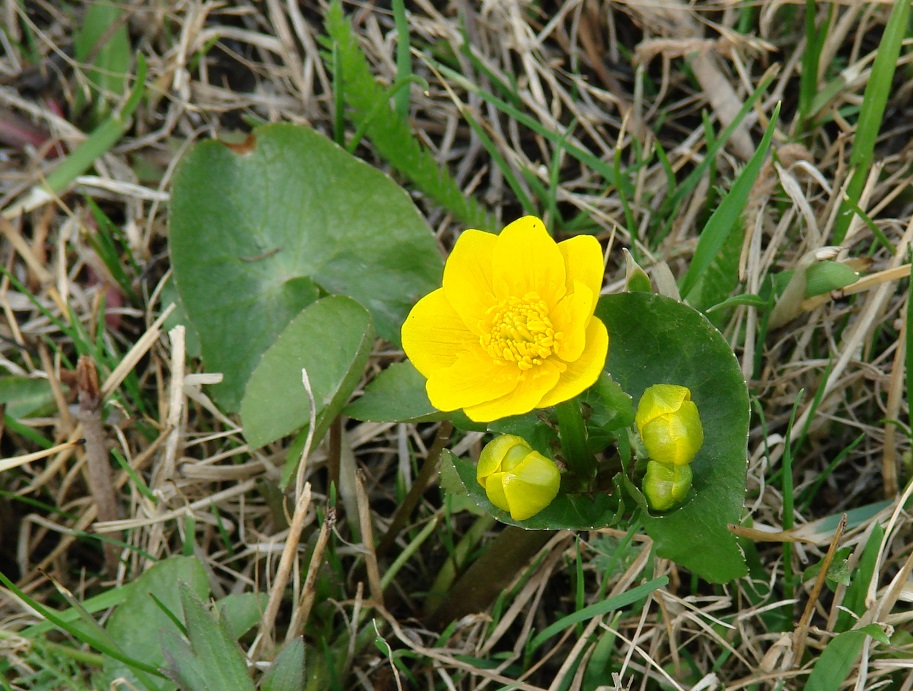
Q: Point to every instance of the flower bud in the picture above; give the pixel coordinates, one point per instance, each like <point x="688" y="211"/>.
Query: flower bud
<point x="516" y="478"/>
<point x="669" y="424"/>
<point x="666" y="485"/>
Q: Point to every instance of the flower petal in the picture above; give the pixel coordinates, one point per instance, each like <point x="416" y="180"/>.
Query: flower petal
<point x="584" y="371"/>
<point x="675" y="437"/>
<point x="434" y="335"/>
<point x="493" y="453"/>
<point x="494" y="490"/>
<point x="526" y="259"/>
<point x="473" y="379"/>
<point x="583" y="260"/>
<point x="531" y="487"/>
<point x="533" y="384"/>
<point x="660" y="399"/>
<point x="570" y="317"/>
<point x="467" y="276"/>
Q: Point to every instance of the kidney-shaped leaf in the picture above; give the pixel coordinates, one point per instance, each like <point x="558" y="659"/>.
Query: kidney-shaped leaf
<point x="656" y="340"/>
<point x="332" y="340"/>
<point x="396" y="395"/>
<point x="261" y="230"/>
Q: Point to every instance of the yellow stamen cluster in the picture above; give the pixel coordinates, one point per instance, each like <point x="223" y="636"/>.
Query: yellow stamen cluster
<point x="520" y="331"/>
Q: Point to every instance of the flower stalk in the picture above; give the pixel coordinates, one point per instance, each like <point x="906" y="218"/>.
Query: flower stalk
<point x="572" y="433"/>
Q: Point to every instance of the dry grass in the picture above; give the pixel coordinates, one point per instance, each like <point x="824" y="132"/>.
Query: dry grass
<point x="618" y="71"/>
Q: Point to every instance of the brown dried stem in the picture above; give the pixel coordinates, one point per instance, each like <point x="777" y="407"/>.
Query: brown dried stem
<point x="101" y="482"/>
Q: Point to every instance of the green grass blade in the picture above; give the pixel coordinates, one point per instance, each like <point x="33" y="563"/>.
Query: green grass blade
<point x="103" y="43"/>
<point x="622" y="600"/>
<point x="856" y="592"/>
<point x="839" y="657"/>
<point x="808" y="79"/>
<point x="388" y="131"/>
<point x="811" y="61"/>
<point x="688" y="185"/>
<point x="78" y="633"/>
<point x="102" y="138"/>
<point x="908" y="356"/>
<point x="513" y="182"/>
<point x="877" y="92"/>
<point x="557" y="138"/>
<point x="98" y="143"/>
<point x="403" y="58"/>
<point x="728" y="213"/>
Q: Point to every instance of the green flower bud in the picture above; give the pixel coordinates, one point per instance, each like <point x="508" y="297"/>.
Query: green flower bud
<point x="516" y="478"/>
<point x="666" y="485"/>
<point x="669" y="424"/>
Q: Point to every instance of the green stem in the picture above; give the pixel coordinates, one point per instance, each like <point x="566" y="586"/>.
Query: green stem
<point x="572" y="433"/>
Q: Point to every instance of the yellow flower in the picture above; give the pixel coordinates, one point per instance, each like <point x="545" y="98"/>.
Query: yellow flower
<point x="516" y="478"/>
<point x="669" y="424"/>
<point x="666" y="485"/>
<point x="512" y="328"/>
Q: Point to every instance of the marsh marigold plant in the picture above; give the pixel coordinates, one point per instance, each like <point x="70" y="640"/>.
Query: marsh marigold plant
<point x="512" y="328"/>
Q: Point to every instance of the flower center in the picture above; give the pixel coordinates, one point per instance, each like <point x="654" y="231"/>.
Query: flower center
<point x="520" y="331"/>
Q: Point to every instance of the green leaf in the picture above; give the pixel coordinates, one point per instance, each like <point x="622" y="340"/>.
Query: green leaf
<point x="826" y="276"/>
<point x="395" y="395"/>
<point x="450" y="481"/>
<point x="542" y="438"/>
<point x="332" y="340"/>
<point x="103" y="40"/>
<point x="636" y="279"/>
<point x="169" y="296"/>
<point x="213" y="659"/>
<point x="839" y="657"/>
<point x="837" y="572"/>
<point x="612" y="408"/>
<point x="854" y="605"/>
<point x="241" y="611"/>
<point x="138" y="623"/>
<point x="287" y="671"/>
<point x="260" y="231"/>
<point x="655" y="340"/>
<point x="23" y="396"/>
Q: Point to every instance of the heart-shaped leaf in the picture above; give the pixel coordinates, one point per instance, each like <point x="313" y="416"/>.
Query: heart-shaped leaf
<point x="655" y="340"/>
<point x="396" y="395"/>
<point x="260" y="230"/>
<point x="332" y="340"/>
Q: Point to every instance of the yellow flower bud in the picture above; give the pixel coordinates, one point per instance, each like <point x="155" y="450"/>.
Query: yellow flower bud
<point x="666" y="485"/>
<point x="669" y="424"/>
<point x="516" y="478"/>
